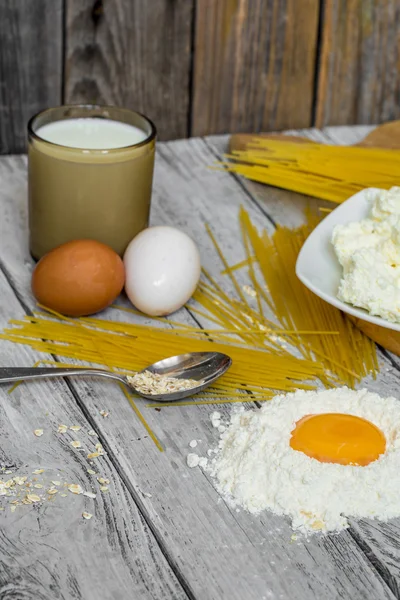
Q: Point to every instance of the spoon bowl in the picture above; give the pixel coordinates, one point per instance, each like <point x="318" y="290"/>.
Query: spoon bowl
<point x="204" y="367"/>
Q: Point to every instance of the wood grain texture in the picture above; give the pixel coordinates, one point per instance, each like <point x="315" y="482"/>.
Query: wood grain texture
<point x="216" y="552"/>
<point x="253" y="65"/>
<point x="49" y="550"/>
<point x="30" y="65"/>
<point x="135" y="54"/>
<point x="358" y="80"/>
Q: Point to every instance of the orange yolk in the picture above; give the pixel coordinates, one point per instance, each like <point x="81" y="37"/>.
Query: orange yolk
<point x="338" y="438"/>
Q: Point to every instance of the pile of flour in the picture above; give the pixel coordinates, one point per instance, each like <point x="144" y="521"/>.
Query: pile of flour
<point x="255" y="467"/>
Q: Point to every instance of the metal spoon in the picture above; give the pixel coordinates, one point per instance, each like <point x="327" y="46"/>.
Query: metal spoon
<point x="204" y="367"/>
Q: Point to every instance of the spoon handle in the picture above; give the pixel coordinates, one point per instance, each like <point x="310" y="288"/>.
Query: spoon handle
<point x="18" y="373"/>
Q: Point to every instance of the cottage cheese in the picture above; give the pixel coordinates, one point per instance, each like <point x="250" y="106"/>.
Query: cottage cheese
<point x="256" y="468"/>
<point x="369" y="252"/>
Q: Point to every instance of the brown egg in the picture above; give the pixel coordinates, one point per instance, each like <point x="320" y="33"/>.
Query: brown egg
<point x="78" y="278"/>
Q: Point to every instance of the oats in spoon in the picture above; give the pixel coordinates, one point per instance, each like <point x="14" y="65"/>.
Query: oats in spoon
<point x="153" y="383"/>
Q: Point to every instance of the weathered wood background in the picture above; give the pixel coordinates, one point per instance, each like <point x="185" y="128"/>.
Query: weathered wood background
<point x="202" y="66"/>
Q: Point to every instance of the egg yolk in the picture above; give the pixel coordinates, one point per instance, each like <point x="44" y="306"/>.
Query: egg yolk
<point x="338" y="438"/>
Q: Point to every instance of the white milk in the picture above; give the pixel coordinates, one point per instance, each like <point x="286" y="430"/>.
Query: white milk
<point x="91" y="133"/>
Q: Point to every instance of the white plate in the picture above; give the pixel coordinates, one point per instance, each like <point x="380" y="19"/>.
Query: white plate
<point x="317" y="266"/>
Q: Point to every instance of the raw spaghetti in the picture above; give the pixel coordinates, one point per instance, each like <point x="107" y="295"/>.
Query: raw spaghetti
<point x="329" y="172"/>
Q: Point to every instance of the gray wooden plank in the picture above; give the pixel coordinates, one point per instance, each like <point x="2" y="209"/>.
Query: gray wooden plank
<point x="30" y="65"/>
<point x="217" y="552"/>
<point x="50" y="550"/>
<point x="133" y="54"/>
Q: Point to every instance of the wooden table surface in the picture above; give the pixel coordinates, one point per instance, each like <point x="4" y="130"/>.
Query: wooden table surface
<point x="161" y="531"/>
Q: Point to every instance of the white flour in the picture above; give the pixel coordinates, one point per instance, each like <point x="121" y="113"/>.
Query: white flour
<point x="257" y="469"/>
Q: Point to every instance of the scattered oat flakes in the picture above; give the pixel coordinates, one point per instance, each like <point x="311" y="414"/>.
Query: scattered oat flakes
<point x="9" y="483"/>
<point x="87" y="515"/>
<point x="89" y="494"/>
<point x="75" y="488"/>
<point x="62" y="429"/>
<point x="33" y="498"/>
<point x="104" y="488"/>
<point x="52" y="491"/>
<point x="92" y="432"/>
<point x="63" y="495"/>
<point x="147" y="495"/>
<point x="56" y="482"/>
<point x="38" y="471"/>
<point x="91" y="472"/>
<point x="75" y="427"/>
<point x="249" y="291"/>
<point x="13" y="508"/>
<point x="20" y="480"/>
<point x="38" y="486"/>
<point x="104" y="413"/>
<point x="103" y="480"/>
<point x="99" y="448"/>
<point x="93" y="455"/>
<point x="76" y="444"/>
<point x="38" y="432"/>
<point x="8" y="472"/>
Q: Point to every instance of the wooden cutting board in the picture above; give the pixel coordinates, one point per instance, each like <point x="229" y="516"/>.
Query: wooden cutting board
<point x="384" y="136"/>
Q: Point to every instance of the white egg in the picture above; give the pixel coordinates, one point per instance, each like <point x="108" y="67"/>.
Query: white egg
<point x="162" y="266"/>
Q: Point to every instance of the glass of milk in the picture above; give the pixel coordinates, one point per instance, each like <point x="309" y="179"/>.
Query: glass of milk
<point x="90" y="176"/>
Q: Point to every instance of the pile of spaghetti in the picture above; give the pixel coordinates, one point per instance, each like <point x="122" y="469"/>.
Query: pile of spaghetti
<point x="280" y="336"/>
<point x="329" y="172"/>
